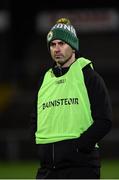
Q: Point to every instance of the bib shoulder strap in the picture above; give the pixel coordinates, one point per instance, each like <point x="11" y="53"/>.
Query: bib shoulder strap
<point x="83" y="62"/>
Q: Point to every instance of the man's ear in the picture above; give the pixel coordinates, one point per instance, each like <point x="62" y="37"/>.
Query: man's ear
<point x="73" y="50"/>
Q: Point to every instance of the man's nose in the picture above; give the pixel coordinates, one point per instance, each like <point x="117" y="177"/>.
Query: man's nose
<point x="57" y="47"/>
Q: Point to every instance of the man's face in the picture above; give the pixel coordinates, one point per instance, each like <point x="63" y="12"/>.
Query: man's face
<point x="61" y="52"/>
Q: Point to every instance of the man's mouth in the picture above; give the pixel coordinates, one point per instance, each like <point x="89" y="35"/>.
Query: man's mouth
<point x="58" y="56"/>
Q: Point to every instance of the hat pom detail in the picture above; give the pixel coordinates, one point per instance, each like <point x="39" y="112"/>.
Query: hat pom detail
<point x="63" y="21"/>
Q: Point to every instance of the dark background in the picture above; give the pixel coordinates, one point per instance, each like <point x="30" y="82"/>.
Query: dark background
<point x="24" y="55"/>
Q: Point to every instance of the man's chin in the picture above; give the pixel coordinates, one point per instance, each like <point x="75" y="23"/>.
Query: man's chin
<point x="60" y="61"/>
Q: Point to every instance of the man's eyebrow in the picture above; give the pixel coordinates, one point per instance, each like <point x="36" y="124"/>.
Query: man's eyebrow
<point x="52" y="43"/>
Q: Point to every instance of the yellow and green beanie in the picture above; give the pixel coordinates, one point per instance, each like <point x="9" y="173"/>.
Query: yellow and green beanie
<point x="63" y="30"/>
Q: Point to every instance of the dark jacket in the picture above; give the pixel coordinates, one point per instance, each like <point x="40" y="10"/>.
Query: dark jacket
<point x="80" y="151"/>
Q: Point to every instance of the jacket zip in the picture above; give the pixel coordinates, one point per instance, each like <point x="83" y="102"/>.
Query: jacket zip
<point x="53" y="155"/>
<point x="60" y="70"/>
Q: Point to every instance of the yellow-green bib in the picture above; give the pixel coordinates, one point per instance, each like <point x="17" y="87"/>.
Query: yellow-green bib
<point x="63" y="107"/>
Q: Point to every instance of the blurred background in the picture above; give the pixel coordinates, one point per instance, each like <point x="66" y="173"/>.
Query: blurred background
<point x="24" y="55"/>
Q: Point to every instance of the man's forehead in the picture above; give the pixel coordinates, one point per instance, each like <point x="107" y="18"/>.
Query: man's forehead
<point x="57" y="41"/>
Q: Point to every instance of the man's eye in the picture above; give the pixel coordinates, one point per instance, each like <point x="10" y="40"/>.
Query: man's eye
<point x="61" y="43"/>
<point x="52" y="44"/>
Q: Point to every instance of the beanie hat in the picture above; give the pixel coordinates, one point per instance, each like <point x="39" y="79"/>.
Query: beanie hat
<point x="63" y="30"/>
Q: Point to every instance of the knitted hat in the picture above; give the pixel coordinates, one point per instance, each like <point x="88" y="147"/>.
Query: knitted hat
<point x="63" y="30"/>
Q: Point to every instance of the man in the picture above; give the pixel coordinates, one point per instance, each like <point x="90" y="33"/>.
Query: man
<point x="72" y="112"/>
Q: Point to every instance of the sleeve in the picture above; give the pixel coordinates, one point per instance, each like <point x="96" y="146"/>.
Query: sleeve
<point x="100" y="108"/>
<point x="33" y="114"/>
<point x="33" y="123"/>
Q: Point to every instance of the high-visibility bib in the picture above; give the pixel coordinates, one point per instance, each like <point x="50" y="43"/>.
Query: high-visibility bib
<point x="63" y="107"/>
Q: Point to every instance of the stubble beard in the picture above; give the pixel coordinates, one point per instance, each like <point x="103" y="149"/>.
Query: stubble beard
<point x="62" y="61"/>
